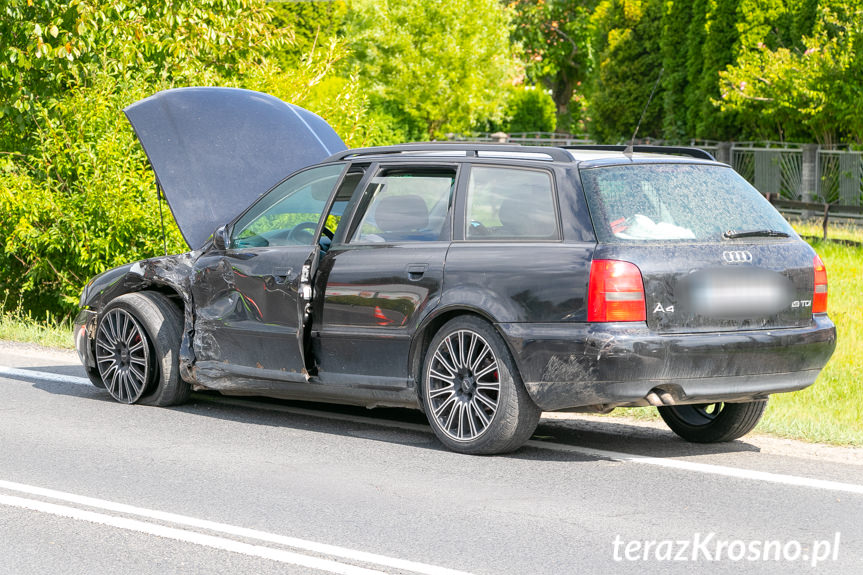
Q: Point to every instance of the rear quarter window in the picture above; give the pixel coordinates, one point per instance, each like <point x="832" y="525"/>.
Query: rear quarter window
<point x="674" y="203"/>
<point x="510" y="204"/>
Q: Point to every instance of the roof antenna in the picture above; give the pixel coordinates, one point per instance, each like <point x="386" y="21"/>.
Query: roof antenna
<point x="628" y="150"/>
<point x="159" y="196"/>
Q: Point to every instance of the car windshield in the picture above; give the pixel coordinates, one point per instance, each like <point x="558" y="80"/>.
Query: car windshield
<point x="676" y="203"/>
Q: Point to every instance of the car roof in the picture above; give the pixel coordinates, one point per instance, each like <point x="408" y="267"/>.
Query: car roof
<point x="594" y="158"/>
<point x="583" y="156"/>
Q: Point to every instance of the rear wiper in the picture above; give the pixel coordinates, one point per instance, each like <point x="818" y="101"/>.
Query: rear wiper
<point x="731" y="234"/>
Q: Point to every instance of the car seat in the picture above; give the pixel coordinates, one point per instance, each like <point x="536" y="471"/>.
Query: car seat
<point x="404" y="218"/>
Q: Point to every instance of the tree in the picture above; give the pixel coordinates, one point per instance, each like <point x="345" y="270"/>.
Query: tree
<point x="309" y="24"/>
<point x="53" y="47"/>
<point x="530" y="109"/>
<point x="774" y="23"/>
<point x="432" y="67"/>
<point x="675" y="28"/>
<point x="555" y="36"/>
<point x="627" y="34"/>
<point x="694" y="64"/>
<point x="810" y="94"/>
<point x="76" y="193"/>
<point x="718" y="51"/>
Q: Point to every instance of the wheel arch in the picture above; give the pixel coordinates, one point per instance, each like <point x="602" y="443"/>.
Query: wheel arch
<point x="430" y="326"/>
<point x="154" y="319"/>
<point x="168" y="275"/>
<point x="169" y="292"/>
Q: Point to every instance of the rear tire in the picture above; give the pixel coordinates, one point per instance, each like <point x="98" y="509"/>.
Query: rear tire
<point x="137" y="350"/>
<point x="472" y="393"/>
<point x="713" y="422"/>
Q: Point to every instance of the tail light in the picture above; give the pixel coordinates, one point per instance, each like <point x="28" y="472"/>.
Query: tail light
<point x="819" y="298"/>
<point x="615" y="292"/>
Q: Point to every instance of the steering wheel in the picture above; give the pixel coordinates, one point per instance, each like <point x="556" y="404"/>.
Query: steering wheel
<point x="303" y="233"/>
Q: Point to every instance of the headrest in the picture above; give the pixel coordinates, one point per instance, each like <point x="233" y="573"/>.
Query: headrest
<point x="401" y="214"/>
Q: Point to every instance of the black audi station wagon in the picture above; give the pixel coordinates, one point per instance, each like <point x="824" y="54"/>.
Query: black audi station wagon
<point x="483" y="284"/>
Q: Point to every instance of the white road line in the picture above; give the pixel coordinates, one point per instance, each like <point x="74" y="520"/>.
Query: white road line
<point x="212" y="541"/>
<point x="42" y="376"/>
<point x="678" y="464"/>
<point x="226" y="529"/>
<point x="708" y="468"/>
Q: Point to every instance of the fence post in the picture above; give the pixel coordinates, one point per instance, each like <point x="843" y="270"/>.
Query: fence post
<point x="723" y="152"/>
<point x="809" y="175"/>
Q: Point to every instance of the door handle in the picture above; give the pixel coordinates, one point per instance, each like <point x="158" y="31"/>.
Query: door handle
<point x="416" y="271"/>
<point x="281" y="274"/>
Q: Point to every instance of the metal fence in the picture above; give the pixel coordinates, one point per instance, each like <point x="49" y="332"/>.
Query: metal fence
<point x="838" y="174"/>
<point x="802" y="172"/>
<point x="841" y="177"/>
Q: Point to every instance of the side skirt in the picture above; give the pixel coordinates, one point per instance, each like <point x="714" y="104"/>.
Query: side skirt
<point x="329" y="388"/>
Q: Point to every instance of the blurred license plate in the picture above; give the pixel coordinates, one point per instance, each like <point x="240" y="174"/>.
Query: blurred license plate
<point x="736" y="293"/>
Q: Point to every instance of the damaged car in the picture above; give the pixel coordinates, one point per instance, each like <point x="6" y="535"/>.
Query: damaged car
<point x="480" y="283"/>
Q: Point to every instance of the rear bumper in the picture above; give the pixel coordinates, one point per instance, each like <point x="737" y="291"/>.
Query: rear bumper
<point x="617" y="364"/>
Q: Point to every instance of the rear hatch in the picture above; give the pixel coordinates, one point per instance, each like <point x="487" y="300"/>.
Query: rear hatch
<point x="713" y="253"/>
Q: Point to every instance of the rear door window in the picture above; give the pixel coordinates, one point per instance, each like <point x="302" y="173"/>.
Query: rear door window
<point x="406" y="205"/>
<point x="510" y="204"/>
<point x="675" y="202"/>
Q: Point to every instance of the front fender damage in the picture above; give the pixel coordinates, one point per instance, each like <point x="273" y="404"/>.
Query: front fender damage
<point x="172" y="275"/>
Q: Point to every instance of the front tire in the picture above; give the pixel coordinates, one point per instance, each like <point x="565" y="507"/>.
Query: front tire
<point x="713" y="422"/>
<point x="137" y="350"/>
<point x="472" y="393"/>
<point x="94" y="376"/>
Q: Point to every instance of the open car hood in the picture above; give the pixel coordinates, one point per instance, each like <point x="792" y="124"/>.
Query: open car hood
<point x="216" y="150"/>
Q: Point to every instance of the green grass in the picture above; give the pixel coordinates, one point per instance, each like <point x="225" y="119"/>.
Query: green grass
<point x="831" y="411"/>
<point x="835" y="231"/>
<point x="18" y="325"/>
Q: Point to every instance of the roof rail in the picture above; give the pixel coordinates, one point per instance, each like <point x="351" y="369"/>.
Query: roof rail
<point x="553" y="153"/>
<point x="679" y="150"/>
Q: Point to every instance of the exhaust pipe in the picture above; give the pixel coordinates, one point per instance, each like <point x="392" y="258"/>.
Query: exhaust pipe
<point x="659" y="397"/>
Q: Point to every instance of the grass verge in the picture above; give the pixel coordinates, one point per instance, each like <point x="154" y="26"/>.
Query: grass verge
<point x="18" y="325"/>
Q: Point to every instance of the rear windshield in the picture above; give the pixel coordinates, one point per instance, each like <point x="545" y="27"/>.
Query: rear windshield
<point x="675" y="203"/>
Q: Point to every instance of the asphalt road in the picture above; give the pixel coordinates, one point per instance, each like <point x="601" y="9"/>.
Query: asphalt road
<point x="236" y="485"/>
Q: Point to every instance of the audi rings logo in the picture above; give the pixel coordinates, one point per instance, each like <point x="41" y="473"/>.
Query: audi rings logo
<point x="737" y="257"/>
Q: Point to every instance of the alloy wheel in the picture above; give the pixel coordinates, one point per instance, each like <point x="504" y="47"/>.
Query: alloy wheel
<point x="122" y="356"/>
<point x="463" y="385"/>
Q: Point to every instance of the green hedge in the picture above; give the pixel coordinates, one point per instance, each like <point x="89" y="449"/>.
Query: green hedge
<point x="81" y="202"/>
